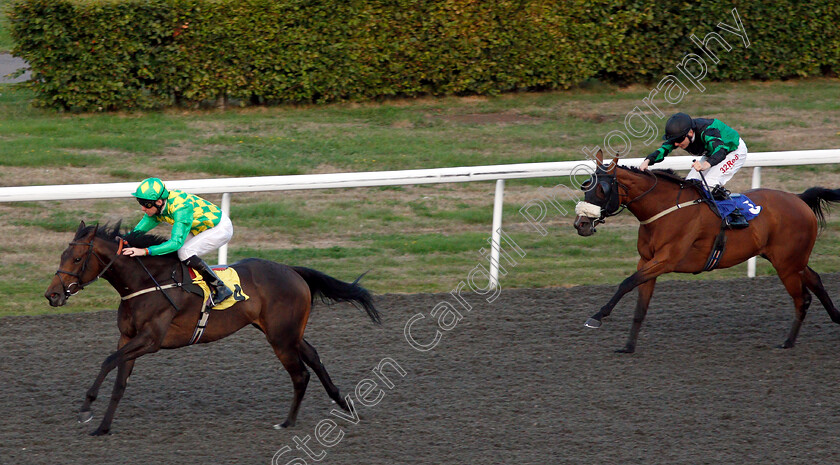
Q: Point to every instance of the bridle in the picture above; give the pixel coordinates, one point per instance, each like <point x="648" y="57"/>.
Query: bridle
<point x="614" y="196"/>
<point x="69" y="290"/>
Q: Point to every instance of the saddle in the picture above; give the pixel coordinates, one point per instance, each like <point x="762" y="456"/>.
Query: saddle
<point x="725" y="205"/>
<point x="231" y="279"/>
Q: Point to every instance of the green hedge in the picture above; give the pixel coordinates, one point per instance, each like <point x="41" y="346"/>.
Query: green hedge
<point x="787" y="38"/>
<point x="109" y="55"/>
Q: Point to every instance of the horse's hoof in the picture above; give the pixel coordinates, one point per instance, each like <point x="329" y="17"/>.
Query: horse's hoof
<point x="592" y="323"/>
<point x="85" y="417"/>
<point x="285" y="424"/>
<point x="625" y="350"/>
<point x="101" y="432"/>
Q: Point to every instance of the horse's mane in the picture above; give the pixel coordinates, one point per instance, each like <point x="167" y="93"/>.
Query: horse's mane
<point x="670" y="176"/>
<point x="110" y="232"/>
<point x="667" y="174"/>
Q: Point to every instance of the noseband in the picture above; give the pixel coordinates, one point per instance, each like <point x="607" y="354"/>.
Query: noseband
<point x="70" y="290"/>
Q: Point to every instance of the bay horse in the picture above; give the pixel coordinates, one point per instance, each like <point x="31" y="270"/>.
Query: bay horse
<point x="280" y="300"/>
<point x="680" y="240"/>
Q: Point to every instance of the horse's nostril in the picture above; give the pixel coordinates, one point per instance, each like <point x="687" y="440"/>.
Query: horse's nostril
<point x="54" y="298"/>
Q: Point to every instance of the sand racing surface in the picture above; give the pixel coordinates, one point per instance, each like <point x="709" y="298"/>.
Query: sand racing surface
<point x="516" y="381"/>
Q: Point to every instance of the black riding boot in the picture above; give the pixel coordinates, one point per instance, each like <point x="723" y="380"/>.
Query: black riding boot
<point x="736" y="219"/>
<point x="720" y="193"/>
<point x="220" y="292"/>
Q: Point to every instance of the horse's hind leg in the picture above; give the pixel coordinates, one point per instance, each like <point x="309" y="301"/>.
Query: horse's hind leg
<point x="801" y="300"/>
<point x="291" y="360"/>
<point x="814" y="283"/>
<point x="310" y="357"/>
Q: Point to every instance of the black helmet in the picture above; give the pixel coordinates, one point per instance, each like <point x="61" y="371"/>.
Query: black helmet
<point x="677" y="127"/>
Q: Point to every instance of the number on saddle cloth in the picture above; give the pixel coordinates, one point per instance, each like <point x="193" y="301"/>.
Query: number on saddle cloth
<point x="231" y="279"/>
<point x="743" y="203"/>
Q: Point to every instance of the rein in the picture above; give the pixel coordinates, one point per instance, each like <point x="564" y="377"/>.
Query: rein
<point x="655" y="183"/>
<point x="78" y="276"/>
<point x="604" y="216"/>
<point x="157" y="287"/>
<point x="623" y="206"/>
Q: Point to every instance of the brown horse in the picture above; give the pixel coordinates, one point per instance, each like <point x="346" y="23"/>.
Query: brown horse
<point x="681" y="239"/>
<point x="280" y="300"/>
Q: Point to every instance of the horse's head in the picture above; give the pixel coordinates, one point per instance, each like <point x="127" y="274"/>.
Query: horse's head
<point x="81" y="264"/>
<point x="601" y="197"/>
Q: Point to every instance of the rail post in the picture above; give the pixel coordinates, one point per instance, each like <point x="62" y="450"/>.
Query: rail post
<point x="496" y="238"/>
<point x="226" y="210"/>
<point x="756" y="183"/>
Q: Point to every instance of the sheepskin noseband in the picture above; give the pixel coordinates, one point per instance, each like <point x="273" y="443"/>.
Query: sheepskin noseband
<point x="589" y="210"/>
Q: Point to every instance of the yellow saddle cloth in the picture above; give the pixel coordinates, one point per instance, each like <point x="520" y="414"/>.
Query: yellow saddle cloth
<point x="231" y="279"/>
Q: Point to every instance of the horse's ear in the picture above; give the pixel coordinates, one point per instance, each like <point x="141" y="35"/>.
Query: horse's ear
<point x="600" y="157"/>
<point x="92" y="232"/>
<point x="81" y="226"/>
<point x="613" y="165"/>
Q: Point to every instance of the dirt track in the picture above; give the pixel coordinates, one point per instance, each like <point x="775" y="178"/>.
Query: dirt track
<point x="517" y="381"/>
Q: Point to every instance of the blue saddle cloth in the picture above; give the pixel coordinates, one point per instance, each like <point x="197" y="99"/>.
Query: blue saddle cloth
<point x="749" y="209"/>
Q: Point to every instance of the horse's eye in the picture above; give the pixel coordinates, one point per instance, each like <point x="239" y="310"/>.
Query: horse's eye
<point x="77" y="259"/>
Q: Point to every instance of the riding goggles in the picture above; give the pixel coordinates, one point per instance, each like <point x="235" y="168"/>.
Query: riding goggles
<point x="146" y="203"/>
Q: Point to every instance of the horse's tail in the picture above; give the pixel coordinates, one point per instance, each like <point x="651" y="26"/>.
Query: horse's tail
<point x="332" y="290"/>
<point x="820" y="200"/>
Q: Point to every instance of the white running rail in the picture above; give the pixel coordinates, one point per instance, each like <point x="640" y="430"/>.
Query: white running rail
<point x="498" y="173"/>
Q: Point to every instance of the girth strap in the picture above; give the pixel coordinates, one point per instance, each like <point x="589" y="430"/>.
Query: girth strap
<point x="717" y="250"/>
<point x="205" y="313"/>
<point x="201" y="325"/>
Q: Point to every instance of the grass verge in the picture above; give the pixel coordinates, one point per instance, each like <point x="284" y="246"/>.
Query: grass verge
<point x="413" y="238"/>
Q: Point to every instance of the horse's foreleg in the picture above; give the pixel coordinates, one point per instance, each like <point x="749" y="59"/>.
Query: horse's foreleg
<point x="645" y="293"/>
<point x="124" y="359"/>
<point x="109" y="364"/>
<point x="814" y="283"/>
<point x="123" y="372"/>
<point x="646" y="271"/>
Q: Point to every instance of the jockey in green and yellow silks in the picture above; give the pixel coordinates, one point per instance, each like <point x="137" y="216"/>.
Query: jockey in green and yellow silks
<point x="187" y="213"/>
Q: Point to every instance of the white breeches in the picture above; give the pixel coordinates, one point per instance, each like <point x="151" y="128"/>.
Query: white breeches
<point x="723" y="171"/>
<point x="207" y="240"/>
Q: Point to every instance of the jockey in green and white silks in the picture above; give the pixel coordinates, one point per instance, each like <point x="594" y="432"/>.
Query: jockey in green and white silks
<point x="721" y="149"/>
<point x="198" y="227"/>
